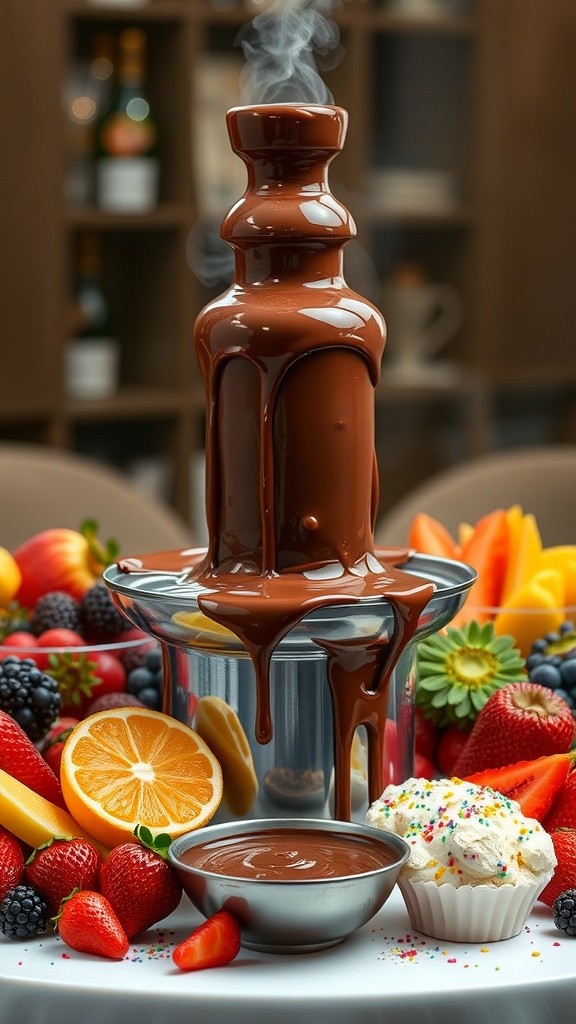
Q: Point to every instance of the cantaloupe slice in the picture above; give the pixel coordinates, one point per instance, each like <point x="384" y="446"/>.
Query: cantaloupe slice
<point x="525" y="548"/>
<point x="32" y="818"/>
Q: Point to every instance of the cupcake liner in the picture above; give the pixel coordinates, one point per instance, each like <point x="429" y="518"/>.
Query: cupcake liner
<point x="479" y="913"/>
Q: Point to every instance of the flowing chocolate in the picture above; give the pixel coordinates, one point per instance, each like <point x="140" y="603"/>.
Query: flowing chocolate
<point x="290" y="357"/>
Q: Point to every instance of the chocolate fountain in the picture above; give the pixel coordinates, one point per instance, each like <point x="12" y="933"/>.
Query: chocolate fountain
<point x="291" y="616"/>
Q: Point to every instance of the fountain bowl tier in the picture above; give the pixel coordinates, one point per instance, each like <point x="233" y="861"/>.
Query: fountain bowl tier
<point x="210" y="685"/>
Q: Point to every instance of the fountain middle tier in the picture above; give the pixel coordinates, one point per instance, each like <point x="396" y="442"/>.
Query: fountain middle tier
<point x="335" y="676"/>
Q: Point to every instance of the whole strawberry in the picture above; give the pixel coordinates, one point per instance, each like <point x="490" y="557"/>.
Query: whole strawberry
<point x="215" y="943"/>
<point x="520" y="721"/>
<point x="20" y="758"/>
<point x="61" y="866"/>
<point x="89" y="924"/>
<point x="53" y="742"/>
<point x="562" y="814"/>
<point x="11" y="862"/>
<point x="140" y="883"/>
<point x="564" y="877"/>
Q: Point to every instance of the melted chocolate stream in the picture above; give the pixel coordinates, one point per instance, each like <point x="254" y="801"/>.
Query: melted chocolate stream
<point x="290" y="357"/>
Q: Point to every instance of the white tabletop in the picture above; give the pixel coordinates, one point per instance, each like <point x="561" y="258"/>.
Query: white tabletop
<point x="380" y="974"/>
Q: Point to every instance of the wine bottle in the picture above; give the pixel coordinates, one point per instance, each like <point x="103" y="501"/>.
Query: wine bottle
<point x="91" y="367"/>
<point x="127" y="165"/>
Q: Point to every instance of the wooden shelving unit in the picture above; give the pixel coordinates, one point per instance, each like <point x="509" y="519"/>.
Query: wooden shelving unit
<point x="485" y="95"/>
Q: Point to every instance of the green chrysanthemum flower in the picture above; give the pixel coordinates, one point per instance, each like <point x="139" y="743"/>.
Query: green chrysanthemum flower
<point x="460" y="669"/>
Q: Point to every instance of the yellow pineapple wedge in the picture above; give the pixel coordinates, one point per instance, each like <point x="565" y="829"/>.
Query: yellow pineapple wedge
<point x="32" y="818"/>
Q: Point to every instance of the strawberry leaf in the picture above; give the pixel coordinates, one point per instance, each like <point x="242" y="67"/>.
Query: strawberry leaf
<point x="158" y="844"/>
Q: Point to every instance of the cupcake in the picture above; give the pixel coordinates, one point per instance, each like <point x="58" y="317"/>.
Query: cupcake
<point x="477" y="864"/>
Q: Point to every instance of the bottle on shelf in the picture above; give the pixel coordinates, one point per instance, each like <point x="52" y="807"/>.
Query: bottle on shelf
<point x="86" y="99"/>
<point x="92" y="352"/>
<point x="127" y="166"/>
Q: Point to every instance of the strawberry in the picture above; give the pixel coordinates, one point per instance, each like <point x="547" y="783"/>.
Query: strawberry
<point x="520" y="721"/>
<point x="139" y="882"/>
<point x="59" y="867"/>
<point x="88" y="923"/>
<point x="215" y="943"/>
<point x="564" y="876"/>
<point x="425" y="735"/>
<point x="563" y="811"/>
<point x="11" y="862"/>
<point x="423" y="768"/>
<point x="53" y="742"/>
<point x="83" y="677"/>
<point x="452" y="741"/>
<point x="20" y="758"/>
<point x="57" y="638"/>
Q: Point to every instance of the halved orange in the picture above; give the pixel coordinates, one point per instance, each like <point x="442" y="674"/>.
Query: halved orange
<point x="133" y="766"/>
<point x="218" y="724"/>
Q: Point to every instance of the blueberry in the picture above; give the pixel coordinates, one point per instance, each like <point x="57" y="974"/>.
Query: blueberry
<point x="151" y="697"/>
<point x="546" y="675"/>
<point x="566" y="626"/>
<point x="534" y="659"/>
<point x="565" y="696"/>
<point x="539" y="646"/>
<point x="139" y="679"/>
<point x="154" y="660"/>
<point x="568" y="674"/>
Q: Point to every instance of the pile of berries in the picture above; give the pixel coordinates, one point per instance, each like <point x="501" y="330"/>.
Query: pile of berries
<point x="48" y="680"/>
<point x="552" y="662"/>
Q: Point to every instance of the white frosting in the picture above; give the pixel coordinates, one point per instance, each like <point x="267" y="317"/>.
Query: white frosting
<point x="462" y="834"/>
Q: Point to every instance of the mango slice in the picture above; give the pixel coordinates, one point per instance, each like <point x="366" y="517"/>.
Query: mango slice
<point x="533" y="610"/>
<point x="525" y="548"/>
<point x="32" y="818"/>
<point x="563" y="558"/>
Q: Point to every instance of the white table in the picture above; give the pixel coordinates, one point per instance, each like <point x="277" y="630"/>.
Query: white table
<point x="383" y="974"/>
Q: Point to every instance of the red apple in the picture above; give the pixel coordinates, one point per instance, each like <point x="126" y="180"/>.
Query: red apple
<point x="60" y="559"/>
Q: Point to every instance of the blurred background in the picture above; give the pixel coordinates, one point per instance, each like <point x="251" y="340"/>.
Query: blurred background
<point x="459" y="170"/>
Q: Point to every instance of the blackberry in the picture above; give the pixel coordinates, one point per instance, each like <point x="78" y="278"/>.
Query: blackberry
<point x="564" y="911"/>
<point x="56" y="610"/>
<point x="101" y="619"/>
<point x="147" y="681"/>
<point x="23" y="913"/>
<point x="29" y="696"/>
<point x="552" y="662"/>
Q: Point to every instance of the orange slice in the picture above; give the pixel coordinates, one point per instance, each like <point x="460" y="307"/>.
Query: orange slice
<point x="132" y="766"/>
<point x="218" y="724"/>
<point x="200" y="623"/>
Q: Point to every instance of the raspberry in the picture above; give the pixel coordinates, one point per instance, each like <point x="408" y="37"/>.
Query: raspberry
<point x="23" y="913"/>
<point x="564" y="911"/>
<point x="29" y="696"/>
<point x="101" y="618"/>
<point x="56" y="610"/>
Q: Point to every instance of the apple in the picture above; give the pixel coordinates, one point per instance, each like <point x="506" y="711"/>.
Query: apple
<point x="61" y="559"/>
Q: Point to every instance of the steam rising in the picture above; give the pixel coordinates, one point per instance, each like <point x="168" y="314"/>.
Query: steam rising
<point x="284" y="46"/>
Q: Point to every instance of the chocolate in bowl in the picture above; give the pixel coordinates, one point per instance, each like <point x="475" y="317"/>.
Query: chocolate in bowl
<point x="296" y="885"/>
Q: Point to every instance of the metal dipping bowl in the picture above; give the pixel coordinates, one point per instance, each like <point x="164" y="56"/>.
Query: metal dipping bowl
<point x="296" y="916"/>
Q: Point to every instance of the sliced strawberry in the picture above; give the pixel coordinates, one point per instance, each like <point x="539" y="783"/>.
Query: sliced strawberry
<point x="89" y="924"/>
<point x="20" y="758"/>
<point x="61" y="866"/>
<point x="563" y="811"/>
<point x="215" y="943"/>
<point x="533" y="784"/>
